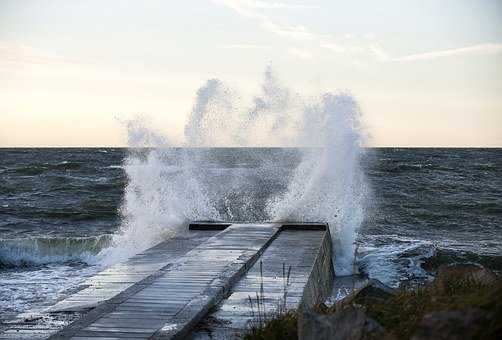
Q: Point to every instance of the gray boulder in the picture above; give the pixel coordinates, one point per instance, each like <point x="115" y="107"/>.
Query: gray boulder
<point x="449" y="325"/>
<point x="347" y="323"/>
<point x="373" y="291"/>
<point x="459" y="274"/>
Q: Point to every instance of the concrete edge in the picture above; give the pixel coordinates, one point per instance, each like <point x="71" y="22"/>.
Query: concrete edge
<point x="208" y="226"/>
<point x="304" y="226"/>
<point x="321" y="279"/>
<point x="205" y="225"/>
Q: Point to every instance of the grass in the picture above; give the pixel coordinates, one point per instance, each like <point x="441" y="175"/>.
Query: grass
<point x="282" y="326"/>
<point x="278" y="324"/>
<point x="401" y="314"/>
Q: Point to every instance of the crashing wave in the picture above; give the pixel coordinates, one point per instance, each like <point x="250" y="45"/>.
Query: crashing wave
<point x="326" y="184"/>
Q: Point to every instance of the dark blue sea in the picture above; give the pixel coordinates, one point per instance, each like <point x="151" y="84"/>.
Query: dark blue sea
<point x="59" y="208"/>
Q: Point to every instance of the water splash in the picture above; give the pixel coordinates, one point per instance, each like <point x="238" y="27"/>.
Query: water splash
<point x="318" y="180"/>
<point x="329" y="184"/>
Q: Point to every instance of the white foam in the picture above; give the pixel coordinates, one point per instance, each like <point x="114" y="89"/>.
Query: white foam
<point x="393" y="259"/>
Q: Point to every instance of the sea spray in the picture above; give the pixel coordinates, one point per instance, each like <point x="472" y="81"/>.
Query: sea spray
<point x="317" y="178"/>
<point x="162" y="193"/>
<point x="213" y="121"/>
<point x="329" y="184"/>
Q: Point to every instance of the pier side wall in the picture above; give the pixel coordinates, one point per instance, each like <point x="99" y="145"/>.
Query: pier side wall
<point x="320" y="282"/>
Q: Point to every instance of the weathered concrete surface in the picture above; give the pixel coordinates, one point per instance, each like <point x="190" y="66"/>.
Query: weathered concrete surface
<point x="178" y="298"/>
<point x="166" y="291"/>
<point x="219" y="265"/>
<point x="295" y="270"/>
<point x="122" y="276"/>
<point x="320" y="282"/>
<point x="131" y="274"/>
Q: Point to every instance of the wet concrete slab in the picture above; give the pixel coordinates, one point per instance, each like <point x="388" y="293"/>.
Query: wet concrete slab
<point x="102" y="287"/>
<point x="183" y="293"/>
<point x="273" y="285"/>
<point x="119" y="277"/>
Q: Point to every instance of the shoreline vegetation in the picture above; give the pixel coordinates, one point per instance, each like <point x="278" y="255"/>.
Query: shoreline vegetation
<point x="464" y="301"/>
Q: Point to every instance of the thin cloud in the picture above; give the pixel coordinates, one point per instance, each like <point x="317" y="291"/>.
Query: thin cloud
<point x="369" y="47"/>
<point x="242" y="46"/>
<point x="17" y="53"/>
<point x="293" y="32"/>
<point x="480" y="49"/>
<point x="378" y="53"/>
<point x="301" y="54"/>
<point x="299" y="33"/>
<point x="268" y="4"/>
<point x="250" y="9"/>
<point x="338" y="48"/>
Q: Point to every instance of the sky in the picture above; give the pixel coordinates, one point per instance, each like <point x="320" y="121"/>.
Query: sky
<point x="425" y="72"/>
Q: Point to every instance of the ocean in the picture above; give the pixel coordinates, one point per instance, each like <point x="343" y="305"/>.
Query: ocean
<point x="66" y="214"/>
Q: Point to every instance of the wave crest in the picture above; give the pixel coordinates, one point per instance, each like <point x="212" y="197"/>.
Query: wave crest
<point x="43" y="250"/>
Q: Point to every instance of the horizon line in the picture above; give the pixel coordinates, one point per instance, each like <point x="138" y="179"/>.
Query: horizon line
<point x="255" y="147"/>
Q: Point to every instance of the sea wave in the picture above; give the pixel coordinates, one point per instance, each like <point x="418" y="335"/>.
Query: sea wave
<point x="38" y="169"/>
<point x="393" y="259"/>
<point x="404" y="167"/>
<point x="86" y="212"/>
<point x="43" y="250"/>
<point x="444" y="256"/>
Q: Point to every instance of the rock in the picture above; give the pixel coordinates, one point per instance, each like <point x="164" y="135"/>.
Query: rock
<point x="344" y="286"/>
<point x="449" y="325"/>
<point x="464" y="273"/>
<point x="348" y="323"/>
<point x="373" y="291"/>
<point x="443" y="257"/>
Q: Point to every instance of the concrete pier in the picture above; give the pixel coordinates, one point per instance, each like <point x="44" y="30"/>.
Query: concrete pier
<point x="208" y="283"/>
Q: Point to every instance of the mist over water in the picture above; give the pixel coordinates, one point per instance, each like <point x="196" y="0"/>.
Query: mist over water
<point x="315" y="177"/>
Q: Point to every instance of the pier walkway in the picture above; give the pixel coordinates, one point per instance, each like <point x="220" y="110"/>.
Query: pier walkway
<point x="212" y="283"/>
